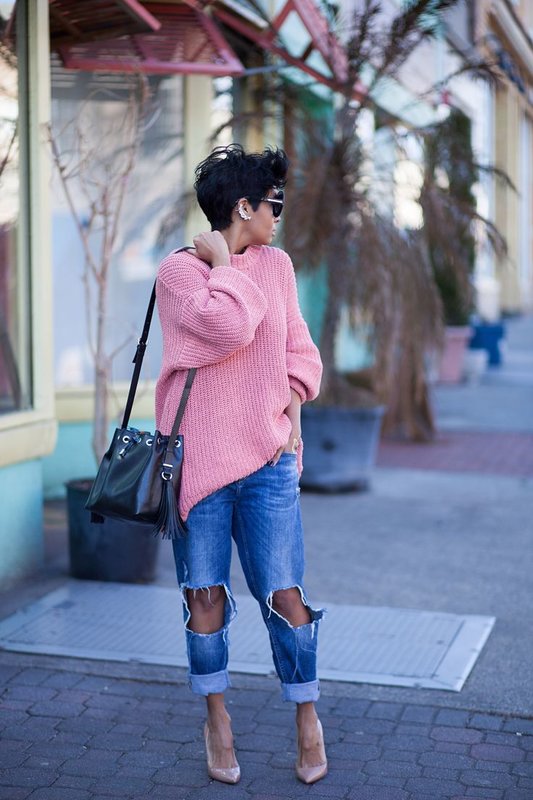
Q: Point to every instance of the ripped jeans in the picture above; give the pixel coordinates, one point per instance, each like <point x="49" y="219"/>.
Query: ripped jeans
<point x="262" y="514"/>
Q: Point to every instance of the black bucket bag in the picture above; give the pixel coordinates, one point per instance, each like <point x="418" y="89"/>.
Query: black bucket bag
<point x="139" y="477"/>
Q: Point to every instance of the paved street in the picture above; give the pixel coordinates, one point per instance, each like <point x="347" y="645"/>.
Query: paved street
<point x="73" y="735"/>
<point x="446" y="527"/>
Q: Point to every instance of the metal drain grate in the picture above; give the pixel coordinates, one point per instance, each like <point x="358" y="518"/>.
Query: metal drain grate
<point x="358" y="644"/>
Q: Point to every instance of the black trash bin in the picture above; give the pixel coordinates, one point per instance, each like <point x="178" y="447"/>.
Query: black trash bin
<point x="111" y="551"/>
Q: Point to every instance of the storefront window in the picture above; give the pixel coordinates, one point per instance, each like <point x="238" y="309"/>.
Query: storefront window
<point x="14" y="286"/>
<point x="94" y="136"/>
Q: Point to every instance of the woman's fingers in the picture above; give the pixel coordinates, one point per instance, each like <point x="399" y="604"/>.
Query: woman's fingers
<point x="277" y="456"/>
<point x="291" y="447"/>
<point x="212" y="247"/>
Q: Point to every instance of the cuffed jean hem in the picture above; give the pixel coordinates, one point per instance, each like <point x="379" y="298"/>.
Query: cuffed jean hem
<point x="301" y="692"/>
<point x="212" y="683"/>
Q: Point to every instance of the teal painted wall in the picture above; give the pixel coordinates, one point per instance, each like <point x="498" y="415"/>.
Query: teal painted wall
<point x="351" y="352"/>
<point x="21" y="528"/>
<point x="312" y="294"/>
<point x="73" y="456"/>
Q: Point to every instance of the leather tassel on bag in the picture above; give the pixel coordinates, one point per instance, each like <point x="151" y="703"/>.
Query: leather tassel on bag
<point x="169" y="523"/>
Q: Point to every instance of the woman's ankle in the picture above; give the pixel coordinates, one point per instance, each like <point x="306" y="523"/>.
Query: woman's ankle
<point x="306" y="714"/>
<point x="218" y="718"/>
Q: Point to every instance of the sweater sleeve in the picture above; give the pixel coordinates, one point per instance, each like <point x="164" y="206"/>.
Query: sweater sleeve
<point x="217" y="313"/>
<point x="304" y="366"/>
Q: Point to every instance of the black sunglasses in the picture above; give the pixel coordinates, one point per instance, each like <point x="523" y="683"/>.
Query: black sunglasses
<point x="276" y="203"/>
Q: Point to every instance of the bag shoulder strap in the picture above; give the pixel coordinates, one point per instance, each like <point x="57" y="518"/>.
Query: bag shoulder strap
<point x="179" y="416"/>
<point x="138" y="360"/>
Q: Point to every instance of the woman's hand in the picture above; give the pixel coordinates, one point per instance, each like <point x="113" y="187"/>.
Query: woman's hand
<point x="212" y="247"/>
<point x="293" y="413"/>
<point x="291" y="447"/>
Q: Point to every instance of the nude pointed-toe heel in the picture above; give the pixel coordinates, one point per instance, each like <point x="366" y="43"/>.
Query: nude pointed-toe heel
<point x="316" y="773"/>
<point x="222" y="774"/>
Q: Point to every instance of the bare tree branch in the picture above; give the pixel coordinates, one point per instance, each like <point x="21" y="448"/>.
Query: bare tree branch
<point x="94" y="176"/>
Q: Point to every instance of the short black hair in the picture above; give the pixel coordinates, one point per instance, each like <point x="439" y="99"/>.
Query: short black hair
<point x="229" y="173"/>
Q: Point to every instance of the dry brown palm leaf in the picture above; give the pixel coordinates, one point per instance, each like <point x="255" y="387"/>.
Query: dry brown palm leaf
<point x="444" y="218"/>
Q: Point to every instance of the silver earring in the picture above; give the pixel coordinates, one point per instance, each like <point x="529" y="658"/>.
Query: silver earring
<point x="243" y="214"/>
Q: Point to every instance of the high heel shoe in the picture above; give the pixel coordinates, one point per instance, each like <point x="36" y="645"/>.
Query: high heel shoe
<point x="312" y="774"/>
<point x="223" y="774"/>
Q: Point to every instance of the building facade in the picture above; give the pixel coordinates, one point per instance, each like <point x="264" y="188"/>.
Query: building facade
<point x="505" y="33"/>
<point x="501" y="33"/>
<point x="28" y="424"/>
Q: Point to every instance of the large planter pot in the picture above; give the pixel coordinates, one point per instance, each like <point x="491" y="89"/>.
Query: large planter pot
<point x="487" y="336"/>
<point x="340" y="447"/>
<point x="453" y="354"/>
<point x="110" y="551"/>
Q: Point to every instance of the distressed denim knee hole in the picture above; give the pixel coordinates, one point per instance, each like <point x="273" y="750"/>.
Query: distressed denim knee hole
<point x="230" y="606"/>
<point x="314" y="615"/>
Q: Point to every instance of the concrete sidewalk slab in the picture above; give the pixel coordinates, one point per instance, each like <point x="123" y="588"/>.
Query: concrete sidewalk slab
<point x="503" y="399"/>
<point x="492" y="406"/>
<point x="359" y="644"/>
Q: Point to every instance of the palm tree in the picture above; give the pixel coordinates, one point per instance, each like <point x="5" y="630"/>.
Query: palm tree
<point x="382" y="274"/>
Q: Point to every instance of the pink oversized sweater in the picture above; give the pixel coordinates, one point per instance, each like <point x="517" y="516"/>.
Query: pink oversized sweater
<point x="242" y="326"/>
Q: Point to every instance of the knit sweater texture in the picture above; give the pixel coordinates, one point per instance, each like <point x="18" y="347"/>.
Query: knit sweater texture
<point x="242" y="327"/>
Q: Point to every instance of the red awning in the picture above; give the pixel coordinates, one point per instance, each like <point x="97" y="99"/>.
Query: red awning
<point x="72" y="21"/>
<point x="299" y="34"/>
<point x="188" y="42"/>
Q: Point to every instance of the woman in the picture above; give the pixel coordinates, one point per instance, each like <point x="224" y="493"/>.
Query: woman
<point x="230" y="308"/>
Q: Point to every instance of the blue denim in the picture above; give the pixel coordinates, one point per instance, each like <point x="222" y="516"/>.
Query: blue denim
<point x="262" y="514"/>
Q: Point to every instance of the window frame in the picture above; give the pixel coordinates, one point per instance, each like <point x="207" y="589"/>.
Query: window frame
<point x="31" y="433"/>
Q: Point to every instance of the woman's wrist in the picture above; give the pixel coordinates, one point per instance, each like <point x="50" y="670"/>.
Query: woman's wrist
<point x="295" y="443"/>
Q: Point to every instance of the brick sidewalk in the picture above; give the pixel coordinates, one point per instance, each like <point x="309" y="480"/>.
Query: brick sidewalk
<point x="67" y="735"/>
<point x="486" y="453"/>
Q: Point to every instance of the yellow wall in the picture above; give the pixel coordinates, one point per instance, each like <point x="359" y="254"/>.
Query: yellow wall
<point x="511" y="109"/>
<point x="198" y="97"/>
<point x="524" y="11"/>
<point x="507" y="157"/>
